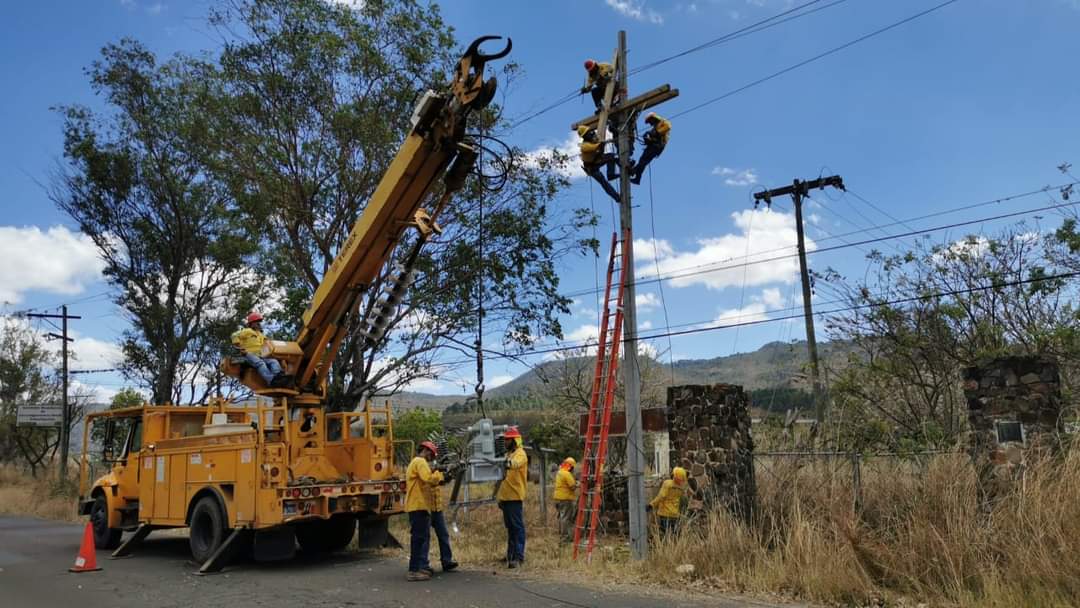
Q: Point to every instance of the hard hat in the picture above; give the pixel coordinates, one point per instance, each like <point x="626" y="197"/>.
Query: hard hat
<point x="253" y="317"/>
<point x="679" y="475"/>
<point x="570" y="461"/>
<point x="652" y="117"/>
<point x="430" y="446"/>
<point x="590" y="64"/>
<point x="582" y="130"/>
<point x="512" y="433"/>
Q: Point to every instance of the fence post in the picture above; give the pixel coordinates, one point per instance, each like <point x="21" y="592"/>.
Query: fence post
<point x="856" y="480"/>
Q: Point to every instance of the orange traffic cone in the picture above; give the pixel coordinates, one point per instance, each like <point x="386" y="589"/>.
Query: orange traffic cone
<point x="86" y="560"/>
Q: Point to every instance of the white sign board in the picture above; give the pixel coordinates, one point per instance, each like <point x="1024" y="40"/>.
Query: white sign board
<point x="40" y="415"/>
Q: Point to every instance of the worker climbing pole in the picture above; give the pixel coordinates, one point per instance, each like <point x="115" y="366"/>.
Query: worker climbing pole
<point x="619" y="111"/>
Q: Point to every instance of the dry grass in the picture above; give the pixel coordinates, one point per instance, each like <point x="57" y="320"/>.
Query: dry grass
<point x="919" y="536"/>
<point x="21" y="494"/>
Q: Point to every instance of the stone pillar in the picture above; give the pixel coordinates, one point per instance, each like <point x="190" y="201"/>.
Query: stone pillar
<point x="1014" y="406"/>
<point x="709" y="430"/>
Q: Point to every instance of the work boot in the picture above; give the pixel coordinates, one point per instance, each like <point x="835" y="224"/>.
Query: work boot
<point x="635" y="179"/>
<point x="513" y="564"/>
<point x="429" y="570"/>
<point x="449" y="566"/>
<point x="418" y="576"/>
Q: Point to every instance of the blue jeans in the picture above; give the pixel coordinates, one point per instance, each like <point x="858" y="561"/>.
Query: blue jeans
<point x="438" y="522"/>
<point x="420" y="540"/>
<point x="514" y="520"/>
<point x="267" y="368"/>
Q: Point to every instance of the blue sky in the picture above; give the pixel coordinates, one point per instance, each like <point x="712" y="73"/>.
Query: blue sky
<point x="972" y="102"/>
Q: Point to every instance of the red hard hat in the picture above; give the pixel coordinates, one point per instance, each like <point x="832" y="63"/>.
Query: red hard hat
<point x="511" y="433"/>
<point x="253" y="317"/>
<point x="589" y="64"/>
<point x="430" y="446"/>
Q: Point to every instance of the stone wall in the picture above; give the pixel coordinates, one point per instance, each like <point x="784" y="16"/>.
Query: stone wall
<point x="709" y="429"/>
<point x="1000" y="393"/>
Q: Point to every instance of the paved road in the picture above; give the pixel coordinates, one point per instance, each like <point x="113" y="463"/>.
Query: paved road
<point x="35" y="555"/>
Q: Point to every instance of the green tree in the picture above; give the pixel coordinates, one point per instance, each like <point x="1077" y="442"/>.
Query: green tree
<point x="417" y="425"/>
<point x="317" y="98"/>
<point x="26" y="377"/>
<point x="135" y="182"/>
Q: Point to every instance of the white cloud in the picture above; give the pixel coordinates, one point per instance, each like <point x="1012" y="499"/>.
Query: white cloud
<point x="583" y="333"/>
<point x="571" y="168"/>
<point x="648" y="249"/>
<point x="91" y="353"/>
<point x="647" y="301"/>
<point x="636" y="9"/>
<point x="645" y="349"/>
<point x="497" y="381"/>
<point x="645" y="326"/>
<point x="718" y="262"/>
<point x="736" y="177"/>
<point x="757" y="310"/>
<point x="56" y="260"/>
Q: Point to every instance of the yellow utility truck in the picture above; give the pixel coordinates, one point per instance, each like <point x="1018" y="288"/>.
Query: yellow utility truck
<point x="282" y="470"/>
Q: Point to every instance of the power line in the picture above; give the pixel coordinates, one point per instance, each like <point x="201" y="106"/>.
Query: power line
<point x="815" y="58"/>
<point x="907" y="300"/>
<point x="711" y="267"/>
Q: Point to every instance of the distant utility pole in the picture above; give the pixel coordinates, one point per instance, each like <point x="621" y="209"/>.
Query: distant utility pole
<point x="625" y="115"/>
<point x="65" y="424"/>
<point x="798" y="190"/>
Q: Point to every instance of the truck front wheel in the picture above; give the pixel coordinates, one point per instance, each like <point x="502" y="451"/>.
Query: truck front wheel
<point x="104" y="536"/>
<point x="326" y="535"/>
<point x="207" y="528"/>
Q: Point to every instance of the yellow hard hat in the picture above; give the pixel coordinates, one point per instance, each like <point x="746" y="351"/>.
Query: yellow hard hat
<point x="570" y="461"/>
<point x="679" y="475"/>
<point x="582" y="130"/>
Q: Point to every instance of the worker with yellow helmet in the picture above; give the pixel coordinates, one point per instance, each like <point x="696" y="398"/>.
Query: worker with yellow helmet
<point x="656" y="139"/>
<point x="511" y="497"/>
<point x="667" y="502"/>
<point x="565" y="484"/>
<point x="593" y="158"/>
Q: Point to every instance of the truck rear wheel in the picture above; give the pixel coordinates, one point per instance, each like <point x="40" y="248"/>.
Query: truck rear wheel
<point x="326" y="535"/>
<point x="104" y="536"/>
<point x="207" y="528"/>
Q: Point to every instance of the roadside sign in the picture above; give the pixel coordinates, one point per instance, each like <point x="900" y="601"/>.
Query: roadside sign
<point x="40" y="415"/>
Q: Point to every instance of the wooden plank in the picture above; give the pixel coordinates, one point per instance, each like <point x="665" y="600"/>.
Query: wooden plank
<point x="644" y="101"/>
<point x="653" y="420"/>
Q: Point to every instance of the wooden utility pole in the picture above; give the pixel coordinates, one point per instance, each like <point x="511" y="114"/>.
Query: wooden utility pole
<point x="65" y="424"/>
<point x="626" y="113"/>
<point x="797" y="190"/>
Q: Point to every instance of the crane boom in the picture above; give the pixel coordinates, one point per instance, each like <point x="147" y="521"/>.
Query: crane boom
<point x="436" y="151"/>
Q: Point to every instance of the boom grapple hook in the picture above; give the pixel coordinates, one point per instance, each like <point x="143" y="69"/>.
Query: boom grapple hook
<point x="469" y="86"/>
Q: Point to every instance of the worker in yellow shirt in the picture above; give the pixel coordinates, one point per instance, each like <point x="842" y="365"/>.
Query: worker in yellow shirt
<point x="565" y="484"/>
<point x="250" y="341"/>
<point x="593" y="158"/>
<point x="438" y="522"/>
<point x="419" y="478"/>
<point x="656" y="139"/>
<point x="667" y="502"/>
<point x="511" y="497"/>
<point x="597" y="78"/>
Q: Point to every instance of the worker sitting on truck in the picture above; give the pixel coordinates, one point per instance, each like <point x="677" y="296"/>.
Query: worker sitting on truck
<point x="656" y="139"/>
<point x="593" y="158"/>
<point x="599" y="75"/>
<point x="438" y="520"/>
<point x="667" y="501"/>
<point x="419" y="478"/>
<point x="565" y="484"/>
<point x="250" y="341"/>
<point x="511" y="497"/>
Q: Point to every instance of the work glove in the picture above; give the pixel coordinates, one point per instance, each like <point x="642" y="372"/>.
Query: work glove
<point x="584" y="90"/>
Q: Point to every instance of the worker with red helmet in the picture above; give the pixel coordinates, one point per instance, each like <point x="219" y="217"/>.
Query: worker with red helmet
<point x="438" y="520"/>
<point x="656" y="139"/>
<point x="511" y="497"/>
<point x="419" y="478"/>
<point x="597" y="79"/>
<point x="250" y="341"/>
